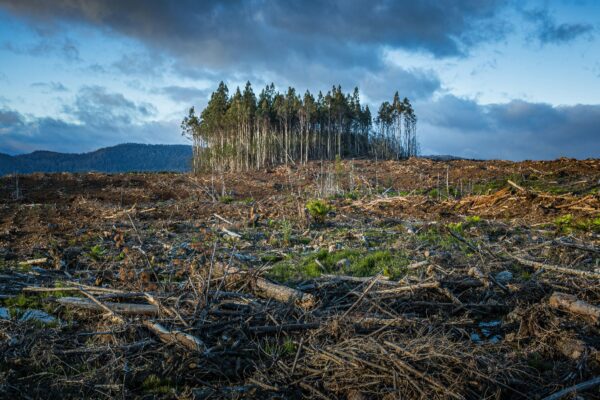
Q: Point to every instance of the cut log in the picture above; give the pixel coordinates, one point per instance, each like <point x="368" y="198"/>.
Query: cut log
<point x="514" y="185"/>
<point x="570" y="303"/>
<point x="554" y="268"/>
<point x="231" y="233"/>
<point x="282" y="293"/>
<point x="185" y="339"/>
<point x="408" y="288"/>
<point x="121" y="308"/>
<point x="284" y="328"/>
<point x="36" y="261"/>
<point x="418" y="264"/>
<point x="381" y="280"/>
<point x="576" y="388"/>
<point x="264" y="287"/>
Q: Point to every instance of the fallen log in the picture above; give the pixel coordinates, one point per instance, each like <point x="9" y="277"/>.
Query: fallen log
<point x="381" y="280"/>
<point x="578" y="246"/>
<point x="121" y="308"/>
<point x="514" y="185"/>
<point x="36" y="261"/>
<point x="284" y="328"/>
<point x="185" y="339"/>
<point x="264" y="287"/>
<point x="407" y="288"/>
<point x="554" y="268"/>
<point x="575" y="388"/>
<point x="231" y="233"/>
<point x="570" y="303"/>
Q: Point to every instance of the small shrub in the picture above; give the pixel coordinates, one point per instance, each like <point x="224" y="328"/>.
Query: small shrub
<point x="156" y="385"/>
<point x="288" y="346"/>
<point x="286" y="230"/>
<point x="226" y="199"/>
<point x="473" y="219"/>
<point x="97" y="252"/>
<point x="457" y="227"/>
<point x="318" y="210"/>
<point x="567" y="224"/>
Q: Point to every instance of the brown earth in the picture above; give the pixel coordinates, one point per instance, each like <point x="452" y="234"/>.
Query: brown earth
<point x="468" y="255"/>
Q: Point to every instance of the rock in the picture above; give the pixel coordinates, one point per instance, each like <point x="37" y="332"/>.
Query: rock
<point x="343" y="263"/>
<point x="504" y="277"/>
<point x="4" y="313"/>
<point x="39" y="316"/>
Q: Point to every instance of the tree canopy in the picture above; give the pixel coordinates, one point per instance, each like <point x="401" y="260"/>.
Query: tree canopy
<point x="241" y="132"/>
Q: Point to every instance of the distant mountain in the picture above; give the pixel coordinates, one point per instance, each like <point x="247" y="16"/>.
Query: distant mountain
<point x="121" y="158"/>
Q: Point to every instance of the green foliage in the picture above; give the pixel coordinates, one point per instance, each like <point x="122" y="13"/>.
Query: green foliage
<point x="566" y="224"/>
<point x="436" y="237"/>
<point x="270" y="258"/>
<point x="360" y="263"/>
<point x="97" y="252"/>
<point x="318" y="209"/>
<point x="288" y="346"/>
<point x="473" y="219"/>
<point x="35" y="301"/>
<point x="154" y="384"/>
<point x="22" y="301"/>
<point x="226" y="199"/>
<point x="434" y="193"/>
<point x="286" y="231"/>
<point x="457" y="227"/>
<point x="230" y="132"/>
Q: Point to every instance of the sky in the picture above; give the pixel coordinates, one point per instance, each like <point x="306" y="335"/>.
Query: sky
<point x="488" y="79"/>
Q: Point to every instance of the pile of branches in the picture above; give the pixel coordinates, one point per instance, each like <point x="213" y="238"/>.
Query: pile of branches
<point x="230" y="333"/>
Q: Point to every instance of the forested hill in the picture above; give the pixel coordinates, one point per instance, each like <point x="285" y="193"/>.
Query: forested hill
<point x="120" y="158"/>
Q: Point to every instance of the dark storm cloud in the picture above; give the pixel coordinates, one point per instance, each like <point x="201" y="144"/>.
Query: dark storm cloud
<point x="66" y="48"/>
<point x="414" y="84"/>
<point x="95" y="106"/>
<point x="182" y="94"/>
<point x="140" y="63"/>
<point x="57" y="135"/>
<point x="9" y="119"/>
<point x="548" y="31"/>
<point x="221" y="33"/>
<point x="103" y="119"/>
<point x="515" y="130"/>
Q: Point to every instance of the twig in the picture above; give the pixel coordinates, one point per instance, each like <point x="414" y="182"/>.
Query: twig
<point x="101" y="305"/>
<point x="222" y="219"/>
<point x="297" y="356"/>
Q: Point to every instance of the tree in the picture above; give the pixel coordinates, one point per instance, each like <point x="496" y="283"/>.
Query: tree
<point x="242" y="132"/>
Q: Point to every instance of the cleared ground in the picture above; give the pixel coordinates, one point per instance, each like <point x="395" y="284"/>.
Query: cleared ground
<point x="425" y="279"/>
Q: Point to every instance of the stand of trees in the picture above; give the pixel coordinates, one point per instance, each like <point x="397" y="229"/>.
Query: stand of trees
<point x="242" y="132"/>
